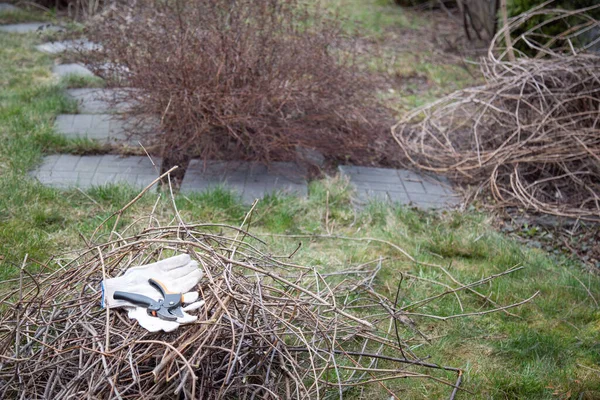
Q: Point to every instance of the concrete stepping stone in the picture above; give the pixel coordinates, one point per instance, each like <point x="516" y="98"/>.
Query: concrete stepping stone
<point x="114" y="70"/>
<point x="101" y="127"/>
<point x="68" y="45"/>
<point x="64" y="70"/>
<point x="99" y="101"/>
<point x="106" y="128"/>
<point x="28" y="27"/>
<point x="66" y="171"/>
<point x="400" y="186"/>
<point x="5" y="7"/>
<point x="250" y="180"/>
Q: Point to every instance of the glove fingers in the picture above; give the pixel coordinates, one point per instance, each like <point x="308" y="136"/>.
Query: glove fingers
<point x="193" y="306"/>
<point x="171" y="327"/>
<point x="195" y="275"/>
<point x="183" y="270"/>
<point x="190" y="297"/>
<point x="187" y="319"/>
<point x="179" y="261"/>
<point x="151" y="324"/>
<point x="185" y="282"/>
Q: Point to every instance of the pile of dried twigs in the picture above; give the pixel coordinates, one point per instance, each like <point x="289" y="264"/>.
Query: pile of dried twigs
<point x="530" y="135"/>
<point x="269" y="329"/>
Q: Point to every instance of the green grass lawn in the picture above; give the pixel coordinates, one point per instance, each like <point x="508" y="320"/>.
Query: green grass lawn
<point x="551" y="349"/>
<point x="17" y="16"/>
<point x="370" y="17"/>
<point x="416" y="57"/>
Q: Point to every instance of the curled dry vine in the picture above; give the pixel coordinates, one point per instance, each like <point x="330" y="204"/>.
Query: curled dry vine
<point x="529" y="136"/>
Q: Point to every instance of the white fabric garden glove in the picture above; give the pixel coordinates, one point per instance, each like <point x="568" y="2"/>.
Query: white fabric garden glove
<point x="154" y="324"/>
<point x="179" y="274"/>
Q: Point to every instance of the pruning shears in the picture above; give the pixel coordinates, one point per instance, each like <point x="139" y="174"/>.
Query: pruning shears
<point x="167" y="308"/>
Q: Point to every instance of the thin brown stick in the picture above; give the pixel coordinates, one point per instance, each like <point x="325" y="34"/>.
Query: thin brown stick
<point x="478" y="313"/>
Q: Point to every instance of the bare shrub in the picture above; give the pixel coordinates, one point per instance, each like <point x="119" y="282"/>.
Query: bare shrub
<point x="244" y="78"/>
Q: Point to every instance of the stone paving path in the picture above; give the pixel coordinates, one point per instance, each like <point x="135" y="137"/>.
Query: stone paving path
<point x="400" y="186"/>
<point x="104" y="128"/>
<point x="65" y="171"/>
<point x="106" y="69"/>
<point x="67" y="45"/>
<point x="97" y="119"/>
<point x="28" y="27"/>
<point x="98" y="101"/>
<point x="250" y="180"/>
<point x="63" y="70"/>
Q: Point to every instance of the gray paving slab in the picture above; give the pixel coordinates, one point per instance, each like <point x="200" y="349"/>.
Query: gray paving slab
<point x="413" y="186"/>
<point x="249" y="180"/>
<point x="111" y="68"/>
<point x="65" y="171"/>
<point x="90" y="126"/>
<point x="64" y="70"/>
<point x="5" y="7"/>
<point x="395" y="196"/>
<point x="99" y="101"/>
<point x="63" y="163"/>
<point x="105" y="128"/>
<point x="400" y="186"/>
<point x="28" y="27"/>
<point x="68" y="45"/>
<point x="438" y="189"/>
<point x="364" y="196"/>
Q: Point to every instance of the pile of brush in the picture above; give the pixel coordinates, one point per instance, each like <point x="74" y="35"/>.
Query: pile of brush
<point x="269" y="328"/>
<point x="530" y="136"/>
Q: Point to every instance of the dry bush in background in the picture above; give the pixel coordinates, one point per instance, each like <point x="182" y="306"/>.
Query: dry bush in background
<point x="246" y="79"/>
<point x="531" y="134"/>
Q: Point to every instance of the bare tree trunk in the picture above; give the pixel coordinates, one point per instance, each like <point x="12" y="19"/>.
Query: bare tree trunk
<point x="480" y="16"/>
<point x="173" y="154"/>
<point x="507" y="39"/>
